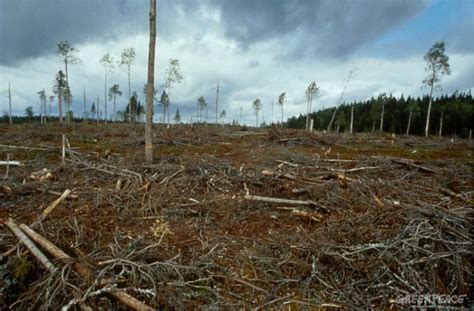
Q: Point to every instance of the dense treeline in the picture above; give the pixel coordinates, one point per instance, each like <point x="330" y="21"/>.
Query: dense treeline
<point x="455" y="110"/>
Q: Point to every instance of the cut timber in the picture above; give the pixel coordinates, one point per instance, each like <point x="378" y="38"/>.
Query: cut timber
<point x="43" y="216"/>
<point x="412" y="164"/>
<point x="47" y="245"/>
<point x="305" y="214"/>
<point x="53" y="205"/>
<point x="24" y="147"/>
<point x="123" y="297"/>
<point x="70" y="196"/>
<point x="31" y="246"/>
<point x="278" y="200"/>
<point x="41" y="175"/>
<point x="10" y="163"/>
<point x="285" y="162"/>
<point x="130" y="301"/>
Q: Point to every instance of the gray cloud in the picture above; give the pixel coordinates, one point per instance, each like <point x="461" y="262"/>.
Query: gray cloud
<point x="325" y="27"/>
<point x="32" y="28"/>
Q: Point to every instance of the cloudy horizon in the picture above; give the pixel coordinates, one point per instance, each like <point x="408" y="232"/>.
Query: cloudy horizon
<point x="256" y="49"/>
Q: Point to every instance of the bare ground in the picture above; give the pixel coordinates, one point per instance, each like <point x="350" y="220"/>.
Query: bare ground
<point x="370" y="218"/>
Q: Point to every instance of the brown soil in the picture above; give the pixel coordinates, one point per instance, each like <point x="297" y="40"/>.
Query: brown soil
<point x="388" y="216"/>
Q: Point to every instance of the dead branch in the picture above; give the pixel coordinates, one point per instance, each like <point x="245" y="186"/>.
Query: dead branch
<point x="24" y="147"/>
<point x="278" y="200"/>
<point x="31" y="246"/>
<point x="411" y="163"/>
<point x="10" y="163"/>
<point x="123" y="297"/>
<point x="51" y="207"/>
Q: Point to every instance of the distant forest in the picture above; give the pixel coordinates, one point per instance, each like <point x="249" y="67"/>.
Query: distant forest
<point x="456" y="112"/>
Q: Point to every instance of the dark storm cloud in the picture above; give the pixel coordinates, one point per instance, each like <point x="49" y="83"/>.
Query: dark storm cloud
<point x="32" y="28"/>
<point x="459" y="37"/>
<point x="327" y="27"/>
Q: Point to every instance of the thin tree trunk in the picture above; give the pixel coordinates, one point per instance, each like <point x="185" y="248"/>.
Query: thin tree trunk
<point x="282" y="114"/>
<point x="429" y="111"/>
<point x="85" y="106"/>
<point x="441" y="125"/>
<point x="10" y="103"/>
<point x="114" y="108"/>
<point x="272" y="111"/>
<point x="65" y="65"/>
<point x="217" y="101"/>
<point x="409" y="121"/>
<point x="307" y="115"/>
<point x="150" y="86"/>
<point x="256" y="122"/>
<point x="381" y="117"/>
<point x="129" y="97"/>
<point x="352" y="119"/>
<point x="333" y="116"/>
<point x="105" y="92"/>
<point x="98" y="109"/>
<point x="373" y="126"/>
<point x="68" y="109"/>
<point x="60" y="105"/>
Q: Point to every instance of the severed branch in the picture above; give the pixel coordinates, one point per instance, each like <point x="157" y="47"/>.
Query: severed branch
<point x="43" y="216"/>
<point x="278" y="200"/>
<point x="412" y="164"/>
<point x="10" y="163"/>
<point x="31" y="246"/>
<point x="25" y="148"/>
<point x="305" y="214"/>
<point x="123" y="297"/>
<point x="50" y="208"/>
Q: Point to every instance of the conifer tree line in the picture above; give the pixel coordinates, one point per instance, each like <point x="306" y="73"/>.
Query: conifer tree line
<point x="453" y="113"/>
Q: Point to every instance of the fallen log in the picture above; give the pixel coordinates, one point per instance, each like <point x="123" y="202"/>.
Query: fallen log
<point x="30" y="245"/>
<point x="55" y="251"/>
<point x="43" y="216"/>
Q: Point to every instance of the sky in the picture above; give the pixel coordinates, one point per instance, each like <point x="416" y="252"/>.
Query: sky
<point x="254" y="48"/>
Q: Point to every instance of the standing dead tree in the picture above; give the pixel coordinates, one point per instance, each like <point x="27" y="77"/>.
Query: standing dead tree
<point x="346" y="83"/>
<point x="311" y="93"/>
<point x="437" y="65"/>
<point x="150" y="85"/>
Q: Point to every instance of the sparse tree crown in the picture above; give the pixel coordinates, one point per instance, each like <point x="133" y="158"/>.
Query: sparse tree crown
<point x="437" y="65"/>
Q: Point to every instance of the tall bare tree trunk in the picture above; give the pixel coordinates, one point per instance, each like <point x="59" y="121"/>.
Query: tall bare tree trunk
<point x="307" y="113"/>
<point x="381" y="117"/>
<point x="85" y="106"/>
<point x="129" y="98"/>
<point x="409" y="120"/>
<point x="10" y="104"/>
<point x="105" y="93"/>
<point x="65" y="65"/>
<point x="333" y="117"/>
<point x="60" y="105"/>
<point x="150" y="85"/>
<point x="441" y="125"/>
<point x="282" y="114"/>
<point x="217" y="102"/>
<point x="98" y="109"/>
<point x="352" y="119"/>
<point x="114" y="109"/>
<point x="427" y="128"/>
